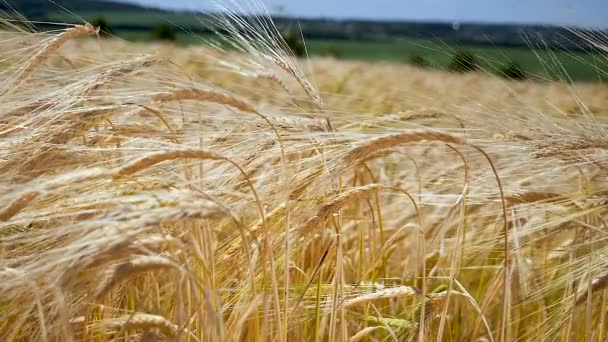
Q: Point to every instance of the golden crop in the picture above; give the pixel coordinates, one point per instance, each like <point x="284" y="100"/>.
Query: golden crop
<point x="149" y="192"/>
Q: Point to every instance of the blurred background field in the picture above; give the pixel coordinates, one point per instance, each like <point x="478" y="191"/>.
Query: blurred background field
<point x="541" y="52"/>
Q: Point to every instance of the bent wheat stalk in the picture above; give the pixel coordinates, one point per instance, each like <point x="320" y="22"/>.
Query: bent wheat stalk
<point x="158" y="157"/>
<point x="350" y="196"/>
<point x="205" y="95"/>
<point x="372" y="146"/>
<point x="220" y="98"/>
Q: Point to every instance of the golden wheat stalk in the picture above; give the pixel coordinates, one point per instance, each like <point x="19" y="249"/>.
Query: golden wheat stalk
<point x="532" y="197"/>
<point x="393" y="292"/>
<point x="376" y="145"/>
<point x="363" y="333"/>
<point x="132" y="268"/>
<point x="205" y="95"/>
<point x="597" y="284"/>
<point x="15" y="206"/>
<point x="52" y="46"/>
<point x="159" y="157"/>
<point x="141" y="321"/>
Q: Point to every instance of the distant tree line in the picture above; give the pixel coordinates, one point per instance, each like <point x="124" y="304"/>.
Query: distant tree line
<point x="463" y="61"/>
<point x="163" y="32"/>
<point x="103" y="26"/>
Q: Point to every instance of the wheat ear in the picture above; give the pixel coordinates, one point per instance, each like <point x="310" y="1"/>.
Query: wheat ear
<point x="532" y="197"/>
<point x="308" y="88"/>
<point x="400" y="291"/>
<point x="16" y="205"/>
<point x="52" y="46"/>
<point x="597" y="284"/>
<point x="205" y="95"/>
<point x="159" y="157"/>
<point x="364" y="333"/>
<point x="383" y="143"/>
<point x="143" y="321"/>
<point x="349" y="196"/>
<point x="132" y="268"/>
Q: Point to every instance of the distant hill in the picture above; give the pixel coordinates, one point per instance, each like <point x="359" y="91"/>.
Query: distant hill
<point x="132" y="17"/>
<point x="462" y="33"/>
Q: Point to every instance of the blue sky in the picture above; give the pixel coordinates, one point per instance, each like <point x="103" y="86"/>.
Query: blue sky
<point x="586" y="13"/>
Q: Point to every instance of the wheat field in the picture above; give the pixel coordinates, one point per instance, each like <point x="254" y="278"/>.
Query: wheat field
<point x="152" y="193"/>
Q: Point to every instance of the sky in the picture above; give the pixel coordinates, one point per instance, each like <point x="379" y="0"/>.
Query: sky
<point x="584" y="13"/>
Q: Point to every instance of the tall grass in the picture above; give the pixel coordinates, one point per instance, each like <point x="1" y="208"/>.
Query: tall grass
<point x="150" y="193"/>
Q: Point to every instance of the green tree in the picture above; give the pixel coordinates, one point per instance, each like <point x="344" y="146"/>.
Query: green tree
<point x="419" y="61"/>
<point x="513" y="71"/>
<point x="164" y="32"/>
<point x="463" y="61"/>
<point x="295" y="44"/>
<point x="102" y="24"/>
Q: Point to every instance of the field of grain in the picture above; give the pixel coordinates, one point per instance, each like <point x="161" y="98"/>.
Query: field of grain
<point x="535" y="59"/>
<point x="150" y="193"/>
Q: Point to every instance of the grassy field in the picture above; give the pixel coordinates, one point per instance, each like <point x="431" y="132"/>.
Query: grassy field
<point x="153" y="192"/>
<point x="538" y="63"/>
